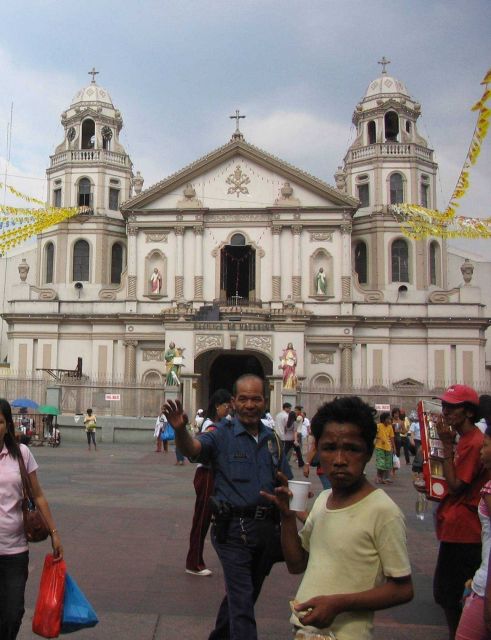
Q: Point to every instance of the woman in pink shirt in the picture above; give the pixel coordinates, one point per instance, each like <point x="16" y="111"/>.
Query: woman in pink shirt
<point x="14" y="554"/>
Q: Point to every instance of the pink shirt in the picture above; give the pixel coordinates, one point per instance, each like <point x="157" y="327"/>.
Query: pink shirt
<point x="12" y="538"/>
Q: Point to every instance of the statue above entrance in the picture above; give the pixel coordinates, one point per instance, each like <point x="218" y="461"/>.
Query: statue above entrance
<point x="288" y="363"/>
<point x="173" y="364"/>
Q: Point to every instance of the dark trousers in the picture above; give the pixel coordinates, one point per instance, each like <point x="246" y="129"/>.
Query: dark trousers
<point x="13" y="578"/>
<point x="402" y="442"/>
<point x="288" y="446"/>
<point x="246" y="561"/>
<point x="203" y="485"/>
<point x="90" y="438"/>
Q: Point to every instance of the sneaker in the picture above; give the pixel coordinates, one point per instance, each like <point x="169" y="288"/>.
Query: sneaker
<point x="203" y="572"/>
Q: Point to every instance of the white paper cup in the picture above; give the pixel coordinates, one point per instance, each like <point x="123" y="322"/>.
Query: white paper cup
<point x="300" y="490"/>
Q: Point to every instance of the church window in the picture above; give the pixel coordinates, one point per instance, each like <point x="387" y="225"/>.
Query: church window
<point x="116" y="263"/>
<point x="434" y="260"/>
<point x="361" y="262"/>
<point x="84" y="194"/>
<point x="372" y="132"/>
<point x="81" y="255"/>
<point x="400" y="261"/>
<point x="88" y="134"/>
<point x="50" y="260"/>
<point x="408" y="126"/>
<point x="237" y="240"/>
<point x="113" y="199"/>
<point x="57" y="197"/>
<point x="107" y="134"/>
<point x="425" y="191"/>
<point x="363" y="190"/>
<point x="396" y="188"/>
<point x="391" y="121"/>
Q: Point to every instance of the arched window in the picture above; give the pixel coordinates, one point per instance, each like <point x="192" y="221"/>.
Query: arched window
<point x="237" y="240"/>
<point x="396" y="189"/>
<point x="50" y="261"/>
<point x="425" y="191"/>
<point x="363" y="190"/>
<point x="361" y="262"/>
<point x="372" y="132"/>
<point x="391" y="122"/>
<point x="116" y="263"/>
<point x="84" y="194"/>
<point x="88" y="134"/>
<point x="400" y="261"/>
<point x="81" y="257"/>
<point x="434" y="263"/>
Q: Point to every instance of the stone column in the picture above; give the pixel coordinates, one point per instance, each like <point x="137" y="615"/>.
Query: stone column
<point x="346" y="365"/>
<point x="179" y="283"/>
<point x="346" y="266"/>
<point x="130" y="398"/>
<point x="198" y="262"/>
<point x="276" y="278"/>
<point x="130" y="359"/>
<point x="297" y="263"/>
<point x="132" y="261"/>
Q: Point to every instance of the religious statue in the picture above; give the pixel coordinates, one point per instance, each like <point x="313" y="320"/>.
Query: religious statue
<point x="156" y="281"/>
<point x="320" y="283"/>
<point x="288" y="363"/>
<point x="173" y="363"/>
<point x="466" y="268"/>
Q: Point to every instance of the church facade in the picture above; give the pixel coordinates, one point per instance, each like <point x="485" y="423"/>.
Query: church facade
<point x="240" y="254"/>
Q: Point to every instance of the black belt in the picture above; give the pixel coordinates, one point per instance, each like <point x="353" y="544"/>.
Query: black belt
<point x="256" y="513"/>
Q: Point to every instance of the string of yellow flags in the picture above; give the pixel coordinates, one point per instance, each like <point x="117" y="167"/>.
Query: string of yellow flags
<point x="420" y="222"/>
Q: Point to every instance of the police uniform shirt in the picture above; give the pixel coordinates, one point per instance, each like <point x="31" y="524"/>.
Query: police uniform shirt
<point x="243" y="467"/>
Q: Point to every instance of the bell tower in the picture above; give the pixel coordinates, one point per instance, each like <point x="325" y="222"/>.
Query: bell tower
<point x="89" y="169"/>
<point x="389" y="163"/>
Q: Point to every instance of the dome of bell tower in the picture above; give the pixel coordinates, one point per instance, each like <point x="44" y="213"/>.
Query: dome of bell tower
<point x="385" y="85"/>
<point x="92" y="93"/>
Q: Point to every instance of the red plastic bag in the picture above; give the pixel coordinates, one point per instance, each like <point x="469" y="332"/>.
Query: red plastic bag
<point x="49" y="606"/>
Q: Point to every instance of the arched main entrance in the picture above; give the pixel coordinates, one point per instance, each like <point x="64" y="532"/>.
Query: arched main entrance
<point x="220" y="369"/>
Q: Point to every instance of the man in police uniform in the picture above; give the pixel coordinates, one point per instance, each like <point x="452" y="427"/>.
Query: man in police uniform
<point x="246" y="456"/>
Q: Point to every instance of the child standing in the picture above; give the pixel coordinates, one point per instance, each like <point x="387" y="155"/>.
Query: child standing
<point x="90" y="425"/>
<point x="384" y="448"/>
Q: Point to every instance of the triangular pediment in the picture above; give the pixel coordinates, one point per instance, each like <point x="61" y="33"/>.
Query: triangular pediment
<point x="238" y="175"/>
<point x="408" y="383"/>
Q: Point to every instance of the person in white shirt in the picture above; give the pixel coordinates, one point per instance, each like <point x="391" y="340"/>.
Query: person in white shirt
<point x="159" y="427"/>
<point x="281" y="419"/>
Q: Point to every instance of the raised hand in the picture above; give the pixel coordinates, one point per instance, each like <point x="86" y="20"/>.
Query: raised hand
<point x="175" y="415"/>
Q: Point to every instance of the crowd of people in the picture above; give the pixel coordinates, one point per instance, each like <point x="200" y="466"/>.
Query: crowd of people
<point x="350" y="547"/>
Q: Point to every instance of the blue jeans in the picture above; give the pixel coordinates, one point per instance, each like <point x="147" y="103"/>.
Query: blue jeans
<point x="13" y="578"/>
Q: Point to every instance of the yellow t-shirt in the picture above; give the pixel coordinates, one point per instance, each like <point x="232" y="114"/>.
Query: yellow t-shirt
<point x="352" y="550"/>
<point x="384" y="433"/>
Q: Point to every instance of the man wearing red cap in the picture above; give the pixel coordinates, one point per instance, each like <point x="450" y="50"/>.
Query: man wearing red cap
<point x="457" y="524"/>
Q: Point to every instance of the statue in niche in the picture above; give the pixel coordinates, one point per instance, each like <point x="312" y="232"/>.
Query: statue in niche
<point x="156" y="281"/>
<point x="173" y="364"/>
<point x="320" y="283"/>
<point x="288" y="364"/>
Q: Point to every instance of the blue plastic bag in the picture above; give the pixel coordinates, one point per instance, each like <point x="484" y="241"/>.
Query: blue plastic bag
<point x="77" y="610"/>
<point x="167" y="432"/>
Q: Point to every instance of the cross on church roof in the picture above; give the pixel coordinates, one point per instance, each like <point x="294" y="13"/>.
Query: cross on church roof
<point x="384" y="62"/>
<point x="237" y="118"/>
<point x="93" y="73"/>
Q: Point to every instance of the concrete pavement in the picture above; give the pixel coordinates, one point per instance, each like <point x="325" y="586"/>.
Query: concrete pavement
<point x="124" y="515"/>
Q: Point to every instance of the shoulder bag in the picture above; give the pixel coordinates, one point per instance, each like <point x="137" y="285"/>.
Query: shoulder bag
<point x="35" y="526"/>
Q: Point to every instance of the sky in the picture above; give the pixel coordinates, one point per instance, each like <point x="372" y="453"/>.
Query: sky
<point x="178" y="69"/>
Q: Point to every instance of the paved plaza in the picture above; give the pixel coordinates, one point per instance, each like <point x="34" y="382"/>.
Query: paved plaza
<point x="124" y="514"/>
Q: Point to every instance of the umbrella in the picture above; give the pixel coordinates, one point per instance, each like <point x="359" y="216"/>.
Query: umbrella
<point x="49" y="410"/>
<point x="24" y="403"/>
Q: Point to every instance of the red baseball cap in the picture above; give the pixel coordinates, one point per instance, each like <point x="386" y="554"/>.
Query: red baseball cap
<point x="459" y="393"/>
